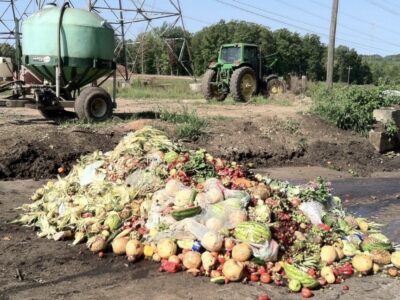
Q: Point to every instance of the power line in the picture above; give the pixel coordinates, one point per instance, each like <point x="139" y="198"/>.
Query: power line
<point x="382" y="6"/>
<point x="357" y="18"/>
<point x="341" y="25"/>
<point x="360" y="45"/>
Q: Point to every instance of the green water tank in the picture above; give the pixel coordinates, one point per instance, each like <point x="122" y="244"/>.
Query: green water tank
<point x="87" y="46"/>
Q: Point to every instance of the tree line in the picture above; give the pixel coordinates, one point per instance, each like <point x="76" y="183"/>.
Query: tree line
<point x="160" y="51"/>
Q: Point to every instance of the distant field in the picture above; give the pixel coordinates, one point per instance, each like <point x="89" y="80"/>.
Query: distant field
<point x="156" y="88"/>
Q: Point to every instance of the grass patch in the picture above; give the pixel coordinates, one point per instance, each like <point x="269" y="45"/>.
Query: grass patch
<point x="188" y="124"/>
<point x="350" y="107"/>
<point x="156" y="88"/>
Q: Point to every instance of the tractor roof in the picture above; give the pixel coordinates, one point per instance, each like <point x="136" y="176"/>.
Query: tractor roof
<point x="239" y="45"/>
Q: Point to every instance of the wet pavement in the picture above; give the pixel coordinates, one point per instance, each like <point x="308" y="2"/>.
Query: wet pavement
<point x="377" y="199"/>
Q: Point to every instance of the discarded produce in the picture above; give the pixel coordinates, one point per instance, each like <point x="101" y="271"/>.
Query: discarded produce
<point x="151" y="198"/>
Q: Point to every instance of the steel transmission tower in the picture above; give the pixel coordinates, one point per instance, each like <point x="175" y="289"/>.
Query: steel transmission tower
<point x="123" y="15"/>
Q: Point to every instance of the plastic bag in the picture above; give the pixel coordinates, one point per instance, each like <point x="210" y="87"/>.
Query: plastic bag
<point x="313" y="210"/>
<point x="89" y="174"/>
<point x="266" y="252"/>
<point x="143" y="180"/>
<point x="224" y="215"/>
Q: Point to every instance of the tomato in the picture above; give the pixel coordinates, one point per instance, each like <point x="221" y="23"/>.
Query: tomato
<point x="324" y="227"/>
<point x="306" y="293"/>
<point x="265" y="278"/>
<point x="255" y="277"/>
<point x="262" y="270"/>
<point x="263" y="297"/>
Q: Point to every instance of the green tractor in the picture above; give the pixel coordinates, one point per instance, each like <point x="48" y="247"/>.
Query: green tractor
<point x="240" y="71"/>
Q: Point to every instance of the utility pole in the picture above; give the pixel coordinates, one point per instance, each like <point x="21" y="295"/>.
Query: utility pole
<point x="331" y="46"/>
<point x="348" y="74"/>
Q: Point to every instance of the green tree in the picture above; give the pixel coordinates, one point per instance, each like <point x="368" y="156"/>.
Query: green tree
<point x="6" y="50"/>
<point x="313" y="50"/>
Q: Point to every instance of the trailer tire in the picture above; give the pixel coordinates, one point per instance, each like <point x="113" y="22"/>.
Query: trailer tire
<point x="94" y="104"/>
<point x="243" y="84"/>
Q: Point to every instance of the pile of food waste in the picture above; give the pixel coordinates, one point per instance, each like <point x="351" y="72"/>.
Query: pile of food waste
<point x="151" y="198"/>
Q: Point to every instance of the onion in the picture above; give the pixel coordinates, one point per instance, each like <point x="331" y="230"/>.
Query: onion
<point x="166" y="248"/>
<point x="119" y="245"/>
<point x="192" y="260"/>
<point x="175" y="259"/>
<point x="229" y="243"/>
<point x="232" y="270"/>
<point x="241" y="252"/>
<point x="98" y="245"/>
<point x="208" y="261"/>
<point x="134" y="248"/>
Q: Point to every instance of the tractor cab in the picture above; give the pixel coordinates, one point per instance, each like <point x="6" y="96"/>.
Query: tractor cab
<point x="239" y="54"/>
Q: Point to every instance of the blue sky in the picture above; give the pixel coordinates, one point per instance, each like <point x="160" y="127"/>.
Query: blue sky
<point x="369" y="26"/>
<point x="362" y="24"/>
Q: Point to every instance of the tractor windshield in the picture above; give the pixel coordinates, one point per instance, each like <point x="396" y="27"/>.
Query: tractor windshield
<point x="230" y="54"/>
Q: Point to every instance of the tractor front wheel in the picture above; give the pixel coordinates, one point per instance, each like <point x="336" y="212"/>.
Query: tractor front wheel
<point x="210" y="91"/>
<point x="94" y="104"/>
<point x="243" y="84"/>
<point x="275" y="87"/>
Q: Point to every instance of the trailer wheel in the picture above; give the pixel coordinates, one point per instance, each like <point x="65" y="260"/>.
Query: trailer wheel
<point x="94" y="104"/>
<point x="209" y="91"/>
<point x="243" y="84"/>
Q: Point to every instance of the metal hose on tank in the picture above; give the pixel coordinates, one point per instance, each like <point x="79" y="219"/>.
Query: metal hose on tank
<point x="63" y="9"/>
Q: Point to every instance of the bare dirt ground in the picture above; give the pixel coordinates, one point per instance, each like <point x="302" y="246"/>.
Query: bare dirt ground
<point x="266" y="135"/>
<point x="270" y="136"/>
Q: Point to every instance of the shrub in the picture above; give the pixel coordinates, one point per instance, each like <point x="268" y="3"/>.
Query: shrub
<point x="350" y="107"/>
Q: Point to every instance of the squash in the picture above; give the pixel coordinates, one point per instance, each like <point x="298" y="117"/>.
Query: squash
<point x="362" y="263"/>
<point x="395" y="259"/>
<point x="328" y="254"/>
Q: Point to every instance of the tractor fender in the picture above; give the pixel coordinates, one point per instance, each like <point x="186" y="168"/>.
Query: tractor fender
<point x="269" y="77"/>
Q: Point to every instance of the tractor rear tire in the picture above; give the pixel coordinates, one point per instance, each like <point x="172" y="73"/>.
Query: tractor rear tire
<point x="210" y="92"/>
<point x="243" y="84"/>
<point x="275" y="87"/>
<point x="94" y="104"/>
